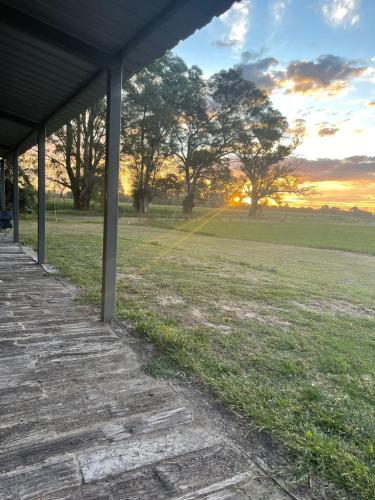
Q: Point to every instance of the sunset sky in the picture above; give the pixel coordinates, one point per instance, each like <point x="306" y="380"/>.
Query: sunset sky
<point x="316" y="59"/>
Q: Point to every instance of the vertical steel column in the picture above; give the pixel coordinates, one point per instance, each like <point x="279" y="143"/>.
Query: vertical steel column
<point x="2" y="184"/>
<point x="114" y="84"/>
<point x="41" y="195"/>
<point x="16" y="200"/>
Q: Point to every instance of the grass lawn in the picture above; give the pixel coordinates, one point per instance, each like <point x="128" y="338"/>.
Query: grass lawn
<point x="348" y="234"/>
<point x="283" y="333"/>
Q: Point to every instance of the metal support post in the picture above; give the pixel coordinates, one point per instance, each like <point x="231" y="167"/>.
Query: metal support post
<point x="114" y="84"/>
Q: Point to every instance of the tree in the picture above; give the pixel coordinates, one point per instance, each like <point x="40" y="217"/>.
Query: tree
<point x="147" y="119"/>
<point x="199" y="150"/>
<point x="260" y="139"/>
<point x="26" y="190"/>
<point x="262" y="150"/>
<point x="79" y="148"/>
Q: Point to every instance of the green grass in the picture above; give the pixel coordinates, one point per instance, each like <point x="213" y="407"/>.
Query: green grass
<point x="353" y="236"/>
<point x="283" y="334"/>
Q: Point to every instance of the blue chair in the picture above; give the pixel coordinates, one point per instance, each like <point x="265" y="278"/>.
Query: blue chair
<point x="6" y="217"/>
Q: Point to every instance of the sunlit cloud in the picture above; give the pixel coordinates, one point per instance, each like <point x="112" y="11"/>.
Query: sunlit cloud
<point x="278" y="9"/>
<point x="341" y="13"/>
<point x="327" y="75"/>
<point x="237" y="23"/>
<point x="371" y="103"/>
<point x="369" y="74"/>
<point x="326" y="131"/>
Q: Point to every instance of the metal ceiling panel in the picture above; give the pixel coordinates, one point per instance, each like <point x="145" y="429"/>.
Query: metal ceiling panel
<point x="55" y="54"/>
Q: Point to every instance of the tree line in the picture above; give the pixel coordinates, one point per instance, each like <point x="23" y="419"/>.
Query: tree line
<point x="183" y="133"/>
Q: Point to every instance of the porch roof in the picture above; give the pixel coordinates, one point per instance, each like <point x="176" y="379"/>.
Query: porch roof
<point x="54" y="54"/>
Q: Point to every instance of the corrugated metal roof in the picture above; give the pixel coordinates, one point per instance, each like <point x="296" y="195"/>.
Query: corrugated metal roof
<point x="54" y="54"/>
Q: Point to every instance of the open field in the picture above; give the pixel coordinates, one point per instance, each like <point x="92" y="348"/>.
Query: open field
<point x="284" y="334"/>
<point x="287" y="227"/>
<point x="315" y="230"/>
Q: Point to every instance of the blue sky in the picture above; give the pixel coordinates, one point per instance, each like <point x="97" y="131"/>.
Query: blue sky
<point x="315" y="58"/>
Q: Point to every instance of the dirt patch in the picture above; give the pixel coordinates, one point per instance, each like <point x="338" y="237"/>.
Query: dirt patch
<point x="224" y="328"/>
<point x="199" y="317"/>
<point x="170" y="300"/>
<point x="264" y="315"/>
<point x="337" y="307"/>
<point x="197" y="313"/>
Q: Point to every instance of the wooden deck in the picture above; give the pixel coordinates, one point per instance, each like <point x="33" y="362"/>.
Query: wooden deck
<point x="79" y="418"/>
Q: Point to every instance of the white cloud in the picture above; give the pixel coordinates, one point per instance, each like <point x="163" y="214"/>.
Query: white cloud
<point x="341" y="13"/>
<point x="237" y="22"/>
<point x="278" y="9"/>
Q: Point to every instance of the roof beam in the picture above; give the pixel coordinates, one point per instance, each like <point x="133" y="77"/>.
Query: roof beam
<point x="171" y="8"/>
<point x="52" y="36"/>
<point x="12" y="117"/>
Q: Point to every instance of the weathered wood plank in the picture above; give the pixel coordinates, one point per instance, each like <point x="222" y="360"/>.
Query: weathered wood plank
<point x="48" y="480"/>
<point x="37" y="446"/>
<point x="100" y="463"/>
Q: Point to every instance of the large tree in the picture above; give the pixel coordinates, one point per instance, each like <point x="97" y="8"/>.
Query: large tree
<point x="260" y="138"/>
<point x="79" y="153"/>
<point x="148" y="117"/>
<point x="262" y="150"/>
<point x="198" y="143"/>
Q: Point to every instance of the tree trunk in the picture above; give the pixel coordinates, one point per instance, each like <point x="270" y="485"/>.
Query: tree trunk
<point x="85" y="202"/>
<point x="78" y="151"/>
<point x="143" y="205"/>
<point x="254" y="207"/>
<point x="141" y="201"/>
<point x="188" y="204"/>
<point x="77" y="199"/>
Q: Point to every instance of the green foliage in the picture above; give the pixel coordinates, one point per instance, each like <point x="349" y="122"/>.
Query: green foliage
<point x="27" y="197"/>
<point x="148" y="116"/>
<point x="27" y="193"/>
<point x="59" y="204"/>
<point x="199" y="146"/>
